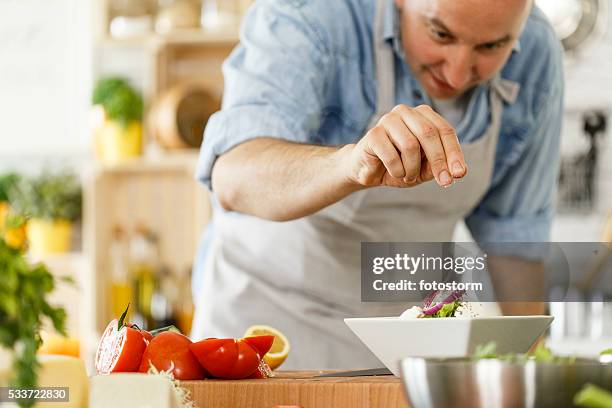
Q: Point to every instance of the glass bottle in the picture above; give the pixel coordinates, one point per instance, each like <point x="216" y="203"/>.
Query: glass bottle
<point x="185" y="307"/>
<point x="164" y="299"/>
<point x="144" y="262"/>
<point x="121" y="286"/>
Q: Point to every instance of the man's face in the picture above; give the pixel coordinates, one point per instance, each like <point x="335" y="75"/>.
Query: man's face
<point x="453" y="45"/>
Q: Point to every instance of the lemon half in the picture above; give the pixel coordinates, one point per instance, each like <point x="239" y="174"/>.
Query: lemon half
<point x="280" y="348"/>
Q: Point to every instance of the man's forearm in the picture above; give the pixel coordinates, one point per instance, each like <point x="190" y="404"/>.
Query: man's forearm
<point x="280" y="180"/>
<point x="519" y="285"/>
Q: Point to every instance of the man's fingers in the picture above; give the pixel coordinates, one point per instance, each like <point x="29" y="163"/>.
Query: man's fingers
<point x="429" y="138"/>
<point x="454" y="154"/>
<point x="407" y="144"/>
<point x="381" y="147"/>
<point x="426" y="173"/>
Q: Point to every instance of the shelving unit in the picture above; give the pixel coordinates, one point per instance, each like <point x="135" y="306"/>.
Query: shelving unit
<point x="161" y="193"/>
<point x="157" y="189"/>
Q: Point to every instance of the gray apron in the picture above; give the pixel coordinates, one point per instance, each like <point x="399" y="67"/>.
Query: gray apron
<point x="303" y="276"/>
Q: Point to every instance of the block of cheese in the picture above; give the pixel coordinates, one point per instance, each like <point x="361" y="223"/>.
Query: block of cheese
<point x="6" y="360"/>
<point x="55" y="371"/>
<point x="132" y="390"/>
<point x="64" y="371"/>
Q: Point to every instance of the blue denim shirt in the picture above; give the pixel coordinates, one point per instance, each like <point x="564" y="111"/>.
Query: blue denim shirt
<point x="304" y="72"/>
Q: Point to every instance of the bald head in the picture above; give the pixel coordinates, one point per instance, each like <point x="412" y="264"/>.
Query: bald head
<point x="452" y="45"/>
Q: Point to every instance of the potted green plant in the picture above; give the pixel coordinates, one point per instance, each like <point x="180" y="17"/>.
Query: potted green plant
<point x="24" y="289"/>
<point x="12" y="228"/>
<point x="118" y="111"/>
<point x="7" y="181"/>
<point x="52" y="202"/>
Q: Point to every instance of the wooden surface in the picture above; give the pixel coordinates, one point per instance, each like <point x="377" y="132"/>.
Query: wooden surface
<point x="300" y="388"/>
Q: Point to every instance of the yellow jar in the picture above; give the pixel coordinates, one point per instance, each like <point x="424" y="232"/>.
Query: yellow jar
<point x="49" y="236"/>
<point x="116" y="143"/>
<point x="4" y="210"/>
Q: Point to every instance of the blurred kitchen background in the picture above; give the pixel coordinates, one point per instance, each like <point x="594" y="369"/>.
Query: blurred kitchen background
<point x="111" y="96"/>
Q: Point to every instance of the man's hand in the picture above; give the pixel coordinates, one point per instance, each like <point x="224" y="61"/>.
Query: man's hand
<point x="407" y="147"/>
<point x="279" y="180"/>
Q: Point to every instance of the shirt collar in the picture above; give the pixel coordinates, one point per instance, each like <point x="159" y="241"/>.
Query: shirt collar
<point x="391" y="28"/>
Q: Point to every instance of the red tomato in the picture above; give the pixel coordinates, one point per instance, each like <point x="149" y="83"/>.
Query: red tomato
<point x="119" y="350"/>
<point x="217" y="355"/>
<point x="170" y="351"/>
<point x="261" y="344"/>
<point x="228" y="358"/>
<point x="147" y="336"/>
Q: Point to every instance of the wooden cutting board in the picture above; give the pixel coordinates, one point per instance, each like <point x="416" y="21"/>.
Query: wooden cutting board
<point x="300" y="388"/>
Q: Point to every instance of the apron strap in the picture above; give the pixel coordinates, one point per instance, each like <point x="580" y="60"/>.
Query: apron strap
<point x="384" y="66"/>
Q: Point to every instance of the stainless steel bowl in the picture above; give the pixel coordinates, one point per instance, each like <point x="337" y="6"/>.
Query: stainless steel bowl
<point x="491" y="383"/>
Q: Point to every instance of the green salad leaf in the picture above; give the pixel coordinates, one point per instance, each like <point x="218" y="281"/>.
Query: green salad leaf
<point x="487" y="350"/>
<point x="448" y="310"/>
<point x="541" y="354"/>
<point x="592" y="396"/>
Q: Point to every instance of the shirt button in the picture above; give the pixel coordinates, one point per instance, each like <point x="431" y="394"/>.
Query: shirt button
<point x="417" y="94"/>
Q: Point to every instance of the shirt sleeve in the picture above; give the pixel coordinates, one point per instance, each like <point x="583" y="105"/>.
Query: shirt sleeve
<point x="520" y="207"/>
<point x="274" y="83"/>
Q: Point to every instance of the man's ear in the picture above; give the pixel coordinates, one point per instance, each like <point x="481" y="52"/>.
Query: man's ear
<point x="399" y="3"/>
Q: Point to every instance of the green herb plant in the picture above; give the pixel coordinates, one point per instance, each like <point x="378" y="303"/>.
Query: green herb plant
<point x="121" y="102"/>
<point x="23" y="310"/>
<point x="7" y="182"/>
<point x="50" y="196"/>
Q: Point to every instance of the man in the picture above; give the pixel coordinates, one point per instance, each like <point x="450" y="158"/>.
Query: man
<point x="350" y="121"/>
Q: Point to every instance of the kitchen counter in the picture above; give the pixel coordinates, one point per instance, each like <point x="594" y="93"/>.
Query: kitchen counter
<point x="300" y="388"/>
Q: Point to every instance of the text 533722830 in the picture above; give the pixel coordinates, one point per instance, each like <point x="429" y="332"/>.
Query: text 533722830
<point x="42" y="394"/>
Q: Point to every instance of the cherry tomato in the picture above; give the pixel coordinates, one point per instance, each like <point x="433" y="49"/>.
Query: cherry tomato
<point x="229" y="358"/>
<point x="170" y="351"/>
<point x="120" y="350"/>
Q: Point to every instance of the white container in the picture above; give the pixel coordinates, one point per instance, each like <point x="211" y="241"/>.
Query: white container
<point x="391" y="339"/>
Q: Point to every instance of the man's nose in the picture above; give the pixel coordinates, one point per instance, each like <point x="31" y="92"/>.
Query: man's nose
<point x="460" y="66"/>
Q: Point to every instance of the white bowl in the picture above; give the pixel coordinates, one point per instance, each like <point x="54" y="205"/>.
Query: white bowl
<point x="392" y="339"/>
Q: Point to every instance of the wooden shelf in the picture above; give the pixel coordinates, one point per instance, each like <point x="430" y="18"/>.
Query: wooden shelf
<point x="61" y="258"/>
<point x="184" y="160"/>
<point x="195" y="36"/>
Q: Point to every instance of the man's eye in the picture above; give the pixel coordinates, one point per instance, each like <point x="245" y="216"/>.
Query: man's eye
<point x="440" y="35"/>
<point x="491" y="46"/>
